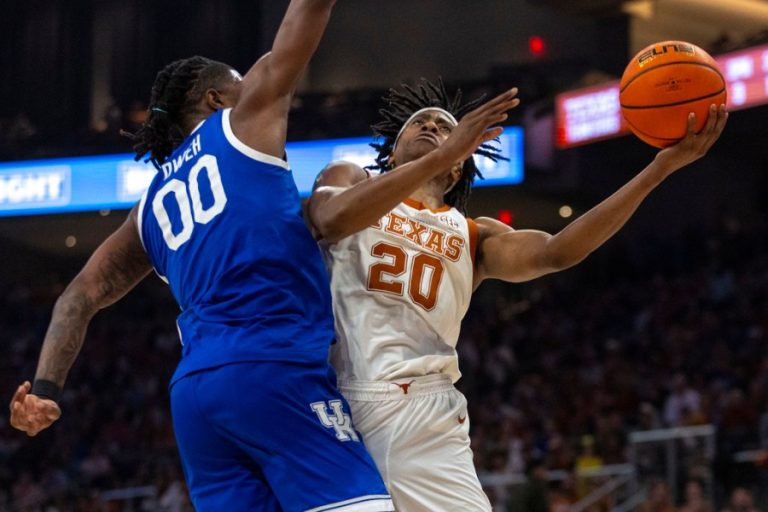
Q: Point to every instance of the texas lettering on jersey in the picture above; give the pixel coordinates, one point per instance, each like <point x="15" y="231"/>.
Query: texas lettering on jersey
<point x="400" y="288"/>
<point x="427" y="237"/>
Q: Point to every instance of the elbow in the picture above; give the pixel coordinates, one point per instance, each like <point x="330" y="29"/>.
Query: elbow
<point x="557" y="259"/>
<point x="74" y="307"/>
<point x="331" y="228"/>
<point x="565" y="262"/>
<point x="76" y="302"/>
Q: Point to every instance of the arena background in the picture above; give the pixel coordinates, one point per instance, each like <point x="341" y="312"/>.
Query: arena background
<point x="632" y="382"/>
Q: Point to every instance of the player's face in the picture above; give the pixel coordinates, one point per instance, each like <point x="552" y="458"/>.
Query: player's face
<point x="424" y="133"/>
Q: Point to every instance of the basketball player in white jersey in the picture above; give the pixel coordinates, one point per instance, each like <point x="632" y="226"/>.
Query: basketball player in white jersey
<point x="404" y="261"/>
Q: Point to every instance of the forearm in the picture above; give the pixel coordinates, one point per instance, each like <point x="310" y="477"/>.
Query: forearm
<point x="574" y="243"/>
<point x="64" y="339"/>
<point x="361" y="205"/>
<point x="297" y="40"/>
<point x="116" y="266"/>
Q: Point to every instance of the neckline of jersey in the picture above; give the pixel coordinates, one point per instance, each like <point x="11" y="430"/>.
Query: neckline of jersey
<point x="421" y="206"/>
<point x="198" y="126"/>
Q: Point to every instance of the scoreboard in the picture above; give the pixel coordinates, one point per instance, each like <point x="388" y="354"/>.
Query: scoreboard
<point x="592" y="114"/>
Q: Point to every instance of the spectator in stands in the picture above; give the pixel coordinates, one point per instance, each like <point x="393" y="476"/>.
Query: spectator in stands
<point x="683" y="402"/>
<point x="533" y="495"/>
<point x="741" y="501"/>
<point x="563" y="496"/>
<point x="739" y="421"/>
<point x="695" y="500"/>
<point x="659" y="499"/>
<point x="587" y="460"/>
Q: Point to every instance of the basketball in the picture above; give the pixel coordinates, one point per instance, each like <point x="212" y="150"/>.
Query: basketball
<point x="662" y="84"/>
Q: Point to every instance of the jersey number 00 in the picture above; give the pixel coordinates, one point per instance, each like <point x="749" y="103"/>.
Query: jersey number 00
<point x="190" y="204"/>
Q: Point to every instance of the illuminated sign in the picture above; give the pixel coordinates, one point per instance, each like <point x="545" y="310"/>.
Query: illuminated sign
<point x="588" y="115"/>
<point x="117" y="181"/>
<point x="592" y="114"/>
<point x="746" y="76"/>
<point x="35" y="187"/>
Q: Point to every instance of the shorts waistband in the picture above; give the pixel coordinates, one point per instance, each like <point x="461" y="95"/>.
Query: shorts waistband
<point x="398" y="389"/>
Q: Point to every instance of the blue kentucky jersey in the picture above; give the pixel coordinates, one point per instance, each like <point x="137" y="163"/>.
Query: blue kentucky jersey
<point x="222" y="225"/>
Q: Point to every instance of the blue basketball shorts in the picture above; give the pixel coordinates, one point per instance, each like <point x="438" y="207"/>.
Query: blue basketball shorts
<point x="272" y="436"/>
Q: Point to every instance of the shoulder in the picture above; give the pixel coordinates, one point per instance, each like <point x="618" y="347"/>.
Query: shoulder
<point x="340" y="173"/>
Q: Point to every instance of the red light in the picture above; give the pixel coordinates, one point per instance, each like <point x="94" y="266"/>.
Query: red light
<point x="505" y="216"/>
<point x="536" y="45"/>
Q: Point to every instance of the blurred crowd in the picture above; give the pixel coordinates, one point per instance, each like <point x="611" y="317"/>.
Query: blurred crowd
<point x="115" y="431"/>
<point x="655" y="334"/>
<point x="313" y="116"/>
<point x="644" y="335"/>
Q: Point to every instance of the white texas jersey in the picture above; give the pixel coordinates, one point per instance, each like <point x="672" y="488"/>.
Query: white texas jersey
<point x="400" y="289"/>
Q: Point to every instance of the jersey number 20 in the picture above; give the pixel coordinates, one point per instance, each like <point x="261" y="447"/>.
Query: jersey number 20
<point x="423" y="279"/>
<point x="190" y="204"/>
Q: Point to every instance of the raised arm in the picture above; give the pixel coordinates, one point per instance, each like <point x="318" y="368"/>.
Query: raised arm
<point x="260" y="117"/>
<point x="114" y="269"/>
<point x="517" y="256"/>
<point x="277" y="73"/>
<point x="344" y="202"/>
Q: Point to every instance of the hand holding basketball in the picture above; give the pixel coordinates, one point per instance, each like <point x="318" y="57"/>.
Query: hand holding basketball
<point x="665" y="82"/>
<point x="694" y="145"/>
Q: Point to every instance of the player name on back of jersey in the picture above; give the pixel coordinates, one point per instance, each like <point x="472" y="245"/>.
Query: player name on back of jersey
<point x="174" y="164"/>
<point x="427" y="237"/>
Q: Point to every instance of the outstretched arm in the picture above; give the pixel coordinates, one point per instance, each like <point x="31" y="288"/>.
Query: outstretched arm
<point x="517" y="256"/>
<point x="297" y="39"/>
<point x="260" y="117"/>
<point x="344" y="201"/>
<point x="114" y="269"/>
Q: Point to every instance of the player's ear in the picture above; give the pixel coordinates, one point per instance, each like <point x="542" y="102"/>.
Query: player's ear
<point x="456" y="172"/>
<point x="214" y="99"/>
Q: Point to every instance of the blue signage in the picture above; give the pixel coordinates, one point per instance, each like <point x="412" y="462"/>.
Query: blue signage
<point x="117" y="181"/>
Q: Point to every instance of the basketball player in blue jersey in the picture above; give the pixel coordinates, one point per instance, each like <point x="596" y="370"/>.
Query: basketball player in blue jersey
<point x="404" y="261"/>
<point x="259" y="423"/>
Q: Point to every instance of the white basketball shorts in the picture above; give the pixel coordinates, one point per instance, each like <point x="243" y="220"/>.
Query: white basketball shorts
<point x="417" y="432"/>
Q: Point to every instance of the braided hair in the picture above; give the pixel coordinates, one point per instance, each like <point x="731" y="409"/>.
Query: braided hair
<point x="401" y="104"/>
<point x="175" y="94"/>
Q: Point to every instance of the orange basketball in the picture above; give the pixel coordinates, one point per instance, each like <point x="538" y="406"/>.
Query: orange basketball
<point x="662" y="84"/>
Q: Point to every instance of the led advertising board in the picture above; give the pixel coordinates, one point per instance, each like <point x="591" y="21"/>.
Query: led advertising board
<point x="117" y="181"/>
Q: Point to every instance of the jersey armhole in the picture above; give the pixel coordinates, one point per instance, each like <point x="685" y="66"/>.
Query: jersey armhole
<point x="140" y="229"/>
<point x="473" y="235"/>
<point x="247" y="150"/>
<point x="140" y="219"/>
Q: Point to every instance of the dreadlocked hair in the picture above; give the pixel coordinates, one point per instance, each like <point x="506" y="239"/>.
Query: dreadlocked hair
<point x="400" y="106"/>
<point x="176" y="93"/>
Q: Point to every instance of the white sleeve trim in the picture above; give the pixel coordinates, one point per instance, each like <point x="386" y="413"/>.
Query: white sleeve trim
<point x="246" y="150"/>
<point x="371" y="503"/>
<point x="140" y="218"/>
<point x="139" y="224"/>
